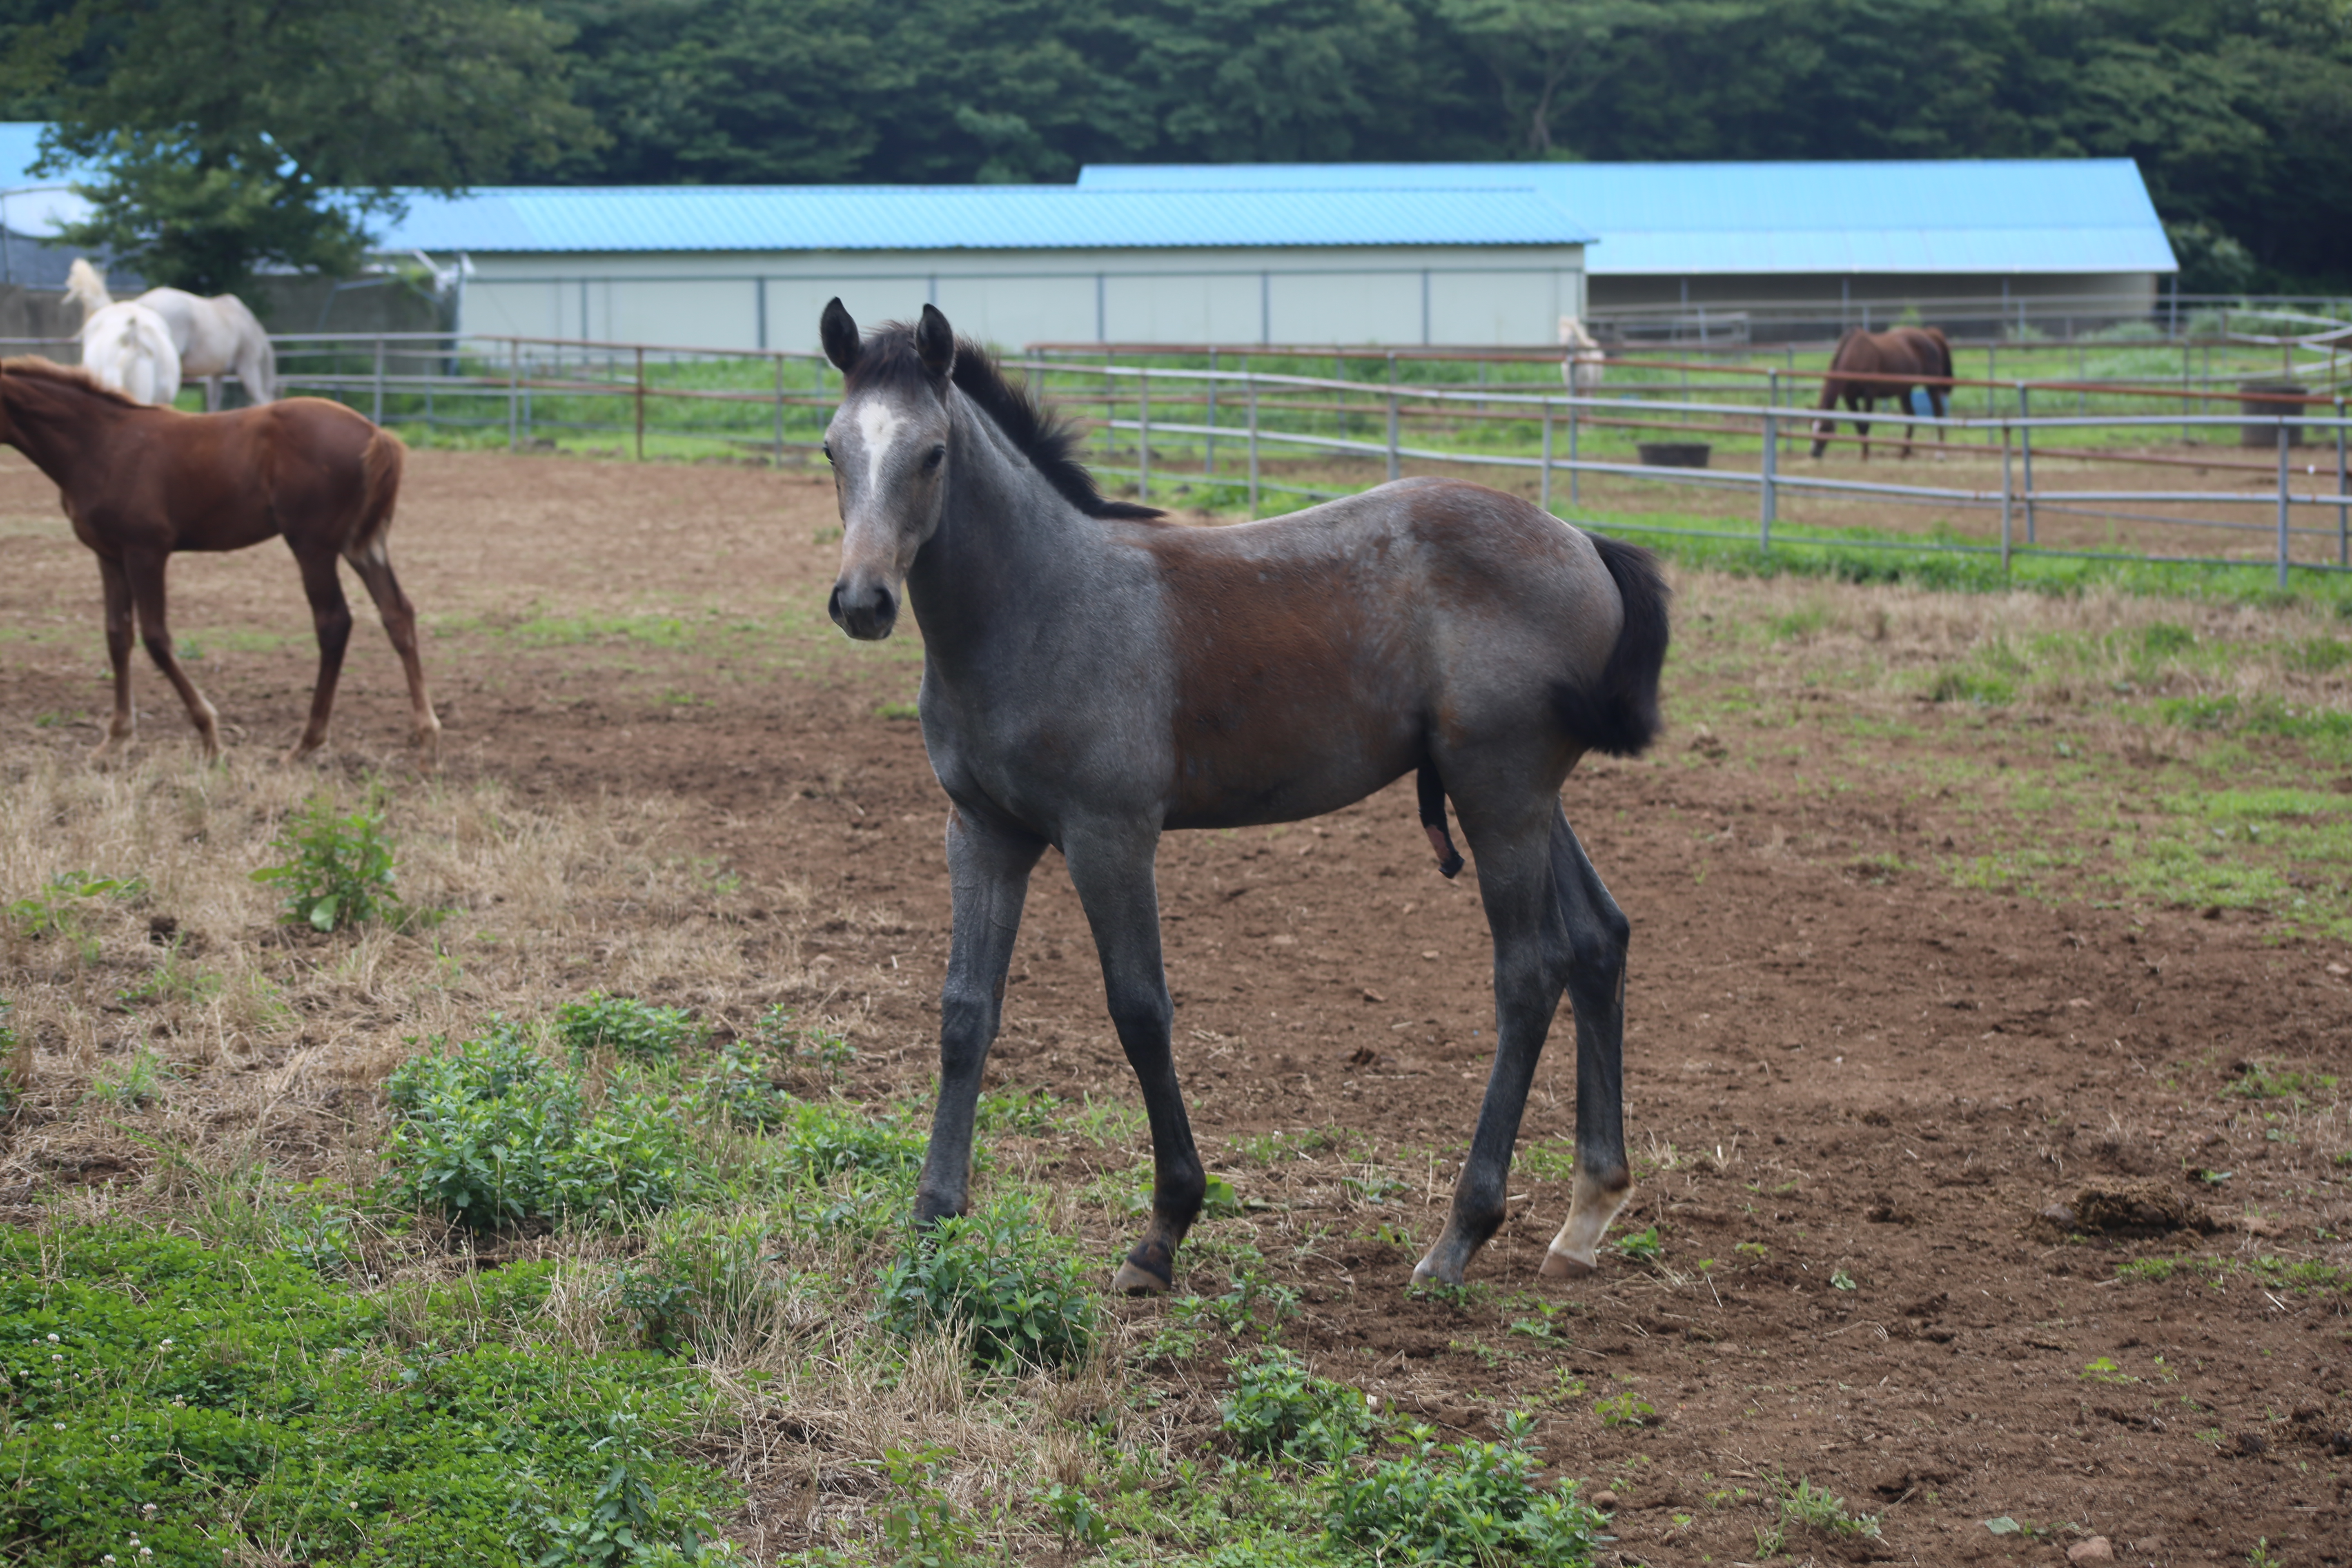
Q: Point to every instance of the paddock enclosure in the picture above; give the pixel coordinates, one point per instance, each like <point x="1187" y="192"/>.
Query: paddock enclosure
<point x="1955" y="917"/>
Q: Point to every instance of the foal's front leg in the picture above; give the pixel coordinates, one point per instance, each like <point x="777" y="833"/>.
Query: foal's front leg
<point x="988" y="870"/>
<point x="119" y="628"/>
<point x="1111" y="866"/>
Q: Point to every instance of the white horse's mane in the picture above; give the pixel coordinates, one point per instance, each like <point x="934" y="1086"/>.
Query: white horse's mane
<point x="84" y="284"/>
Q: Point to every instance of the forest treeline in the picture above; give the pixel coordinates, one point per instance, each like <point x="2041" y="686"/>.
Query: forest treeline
<point x="2240" y="112"/>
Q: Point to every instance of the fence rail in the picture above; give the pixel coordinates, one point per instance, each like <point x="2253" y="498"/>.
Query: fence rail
<point x="1243" y="432"/>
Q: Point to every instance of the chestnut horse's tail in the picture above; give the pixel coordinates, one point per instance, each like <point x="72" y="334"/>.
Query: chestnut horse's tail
<point x="380" y="467"/>
<point x="1618" y="714"/>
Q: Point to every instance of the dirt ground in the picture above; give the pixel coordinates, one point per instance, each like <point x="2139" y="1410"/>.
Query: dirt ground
<point x="1855" y="1093"/>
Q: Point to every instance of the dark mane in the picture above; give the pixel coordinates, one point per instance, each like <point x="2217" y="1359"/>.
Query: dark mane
<point x="32" y="367"/>
<point x="1045" y="438"/>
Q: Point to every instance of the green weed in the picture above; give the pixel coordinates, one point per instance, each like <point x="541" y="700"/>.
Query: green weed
<point x="1642" y="1246"/>
<point x="1001" y="1278"/>
<point x="337" y="869"/>
<point x="1464" y="1502"/>
<point x="134" y="1083"/>
<point x="829" y="1141"/>
<point x="1280" y="1410"/>
<point x="1626" y="1410"/>
<point x="635" y="1029"/>
<point x="921" y="1525"/>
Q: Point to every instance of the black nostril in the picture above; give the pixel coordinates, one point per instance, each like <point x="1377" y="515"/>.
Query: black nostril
<point x="883" y="609"/>
<point x="833" y="605"/>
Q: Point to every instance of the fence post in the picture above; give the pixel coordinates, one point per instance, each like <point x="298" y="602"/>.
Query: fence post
<point x="1250" y="379"/>
<point x="377" y="414"/>
<point x="1770" y="502"/>
<point x="641" y="405"/>
<point x="514" y="391"/>
<point x="2343" y="512"/>
<point x="2008" y="488"/>
<point x="2025" y="445"/>
<point x="1392" y="426"/>
<point x="1543" y="486"/>
<point x="1209" y="459"/>
<point x="2187" y="403"/>
<point x="1572" y="490"/>
<point x="780" y="411"/>
<point x="2284" y="432"/>
<point x="1142" y="434"/>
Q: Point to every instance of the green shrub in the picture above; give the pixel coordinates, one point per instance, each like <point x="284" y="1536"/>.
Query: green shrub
<point x="829" y="1140"/>
<point x="468" y="1146"/>
<point x="635" y="1029"/>
<point x="1000" y="1276"/>
<point x="226" y="1401"/>
<point x="1464" y="1502"/>
<point x="337" y="870"/>
<point x="921" y="1525"/>
<point x="740" y="1089"/>
<point x="1281" y="1410"/>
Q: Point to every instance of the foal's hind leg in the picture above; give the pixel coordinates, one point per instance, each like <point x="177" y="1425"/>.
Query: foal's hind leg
<point x="145" y="576"/>
<point x="1515" y="881"/>
<point x="330" y="617"/>
<point x="1596" y="932"/>
<point x="988" y="868"/>
<point x="399" y="615"/>
<point x="119" y="629"/>
<point x="1111" y="866"/>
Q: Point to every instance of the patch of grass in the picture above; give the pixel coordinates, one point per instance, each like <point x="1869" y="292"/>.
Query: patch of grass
<point x="830" y="1140"/>
<point x="638" y="1030"/>
<point x="1463" y="1502"/>
<point x="227" y="1404"/>
<point x="999" y="1279"/>
<point x="490" y="1133"/>
<point x="2268" y="1081"/>
<point x="133" y="1083"/>
<point x="1280" y="1410"/>
<point x="338" y="869"/>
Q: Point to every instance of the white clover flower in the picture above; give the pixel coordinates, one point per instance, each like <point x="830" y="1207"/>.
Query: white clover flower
<point x="165" y="1345"/>
<point x="58" y="1425"/>
<point x="54" y="1339"/>
<point x="108" y="1558"/>
<point x="149" y="1511"/>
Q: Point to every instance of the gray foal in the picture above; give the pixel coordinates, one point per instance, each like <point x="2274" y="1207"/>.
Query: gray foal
<point x="1094" y="675"/>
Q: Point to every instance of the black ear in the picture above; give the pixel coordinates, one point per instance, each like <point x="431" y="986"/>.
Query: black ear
<point x="935" y="341"/>
<point x="839" y="334"/>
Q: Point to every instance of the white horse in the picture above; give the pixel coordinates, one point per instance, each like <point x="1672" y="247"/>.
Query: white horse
<point x="129" y="348"/>
<point x="1584" y="365"/>
<point x="211" y="336"/>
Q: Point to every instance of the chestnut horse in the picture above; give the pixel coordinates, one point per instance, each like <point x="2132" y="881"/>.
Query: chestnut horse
<point x="140" y="482"/>
<point x="1868" y="366"/>
<point x="1094" y="675"/>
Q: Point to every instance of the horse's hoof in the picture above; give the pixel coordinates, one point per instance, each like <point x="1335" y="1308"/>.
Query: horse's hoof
<point x="1560" y="1266"/>
<point x="1426" y="1272"/>
<point x="1133" y="1281"/>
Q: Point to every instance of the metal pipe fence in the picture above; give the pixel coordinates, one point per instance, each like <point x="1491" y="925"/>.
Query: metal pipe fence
<point x="1308" y="436"/>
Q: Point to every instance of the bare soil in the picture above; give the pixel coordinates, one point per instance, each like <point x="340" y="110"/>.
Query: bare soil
<point x="1854" y="1092"/>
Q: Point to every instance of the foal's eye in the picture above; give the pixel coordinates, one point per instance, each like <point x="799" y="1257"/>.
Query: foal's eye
<point x="828" y="451"/>
<point x="938" y="455"/>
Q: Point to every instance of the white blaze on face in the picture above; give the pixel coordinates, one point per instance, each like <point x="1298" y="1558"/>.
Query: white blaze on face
<point x="878" y="426"/>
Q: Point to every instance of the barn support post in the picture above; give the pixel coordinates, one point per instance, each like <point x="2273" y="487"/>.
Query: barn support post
<point x="1543" y="485"/>
<point x="2008" y="488"/>
<point x="1209" y="459"/>
<point x="376" y="414"/>
<point x="641" y="405"/>
<point x="1142" y="434"/>
<point x="2285" y="433"/>
<point x="1768" y="501"/>
<point x="514" y="392"/>
<point x="780" y="411"/>
<point x="2025" y="447"/>
<point x="1250" y="378"/>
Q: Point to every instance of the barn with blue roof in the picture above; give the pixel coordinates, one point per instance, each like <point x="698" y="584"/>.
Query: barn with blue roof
<point x="752" y="267"/>
<point x="1971" y="238"/>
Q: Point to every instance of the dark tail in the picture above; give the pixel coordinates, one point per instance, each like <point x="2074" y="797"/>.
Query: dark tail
<point x="1618" y="714"/>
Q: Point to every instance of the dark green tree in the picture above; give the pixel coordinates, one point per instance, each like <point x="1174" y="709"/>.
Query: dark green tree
<point x="231" y="134"/>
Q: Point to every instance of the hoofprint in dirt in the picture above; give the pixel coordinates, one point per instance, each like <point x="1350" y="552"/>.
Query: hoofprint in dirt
<point x="1879" y="1022"/>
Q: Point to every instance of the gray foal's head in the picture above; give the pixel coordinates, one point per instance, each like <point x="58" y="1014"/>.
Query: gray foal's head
<point x="888" y="447"/>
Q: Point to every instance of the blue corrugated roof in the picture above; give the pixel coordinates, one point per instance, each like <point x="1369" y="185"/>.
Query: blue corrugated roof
<point x="2082" y="215"/>
<point x="975" y="218"/>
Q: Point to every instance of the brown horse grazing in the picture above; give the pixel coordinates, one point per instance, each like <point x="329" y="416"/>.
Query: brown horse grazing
<point x="140" y="482"/>
<point x="1862" y="358"/>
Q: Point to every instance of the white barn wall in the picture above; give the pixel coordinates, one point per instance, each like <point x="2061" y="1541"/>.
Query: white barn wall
<point x="1456" y="295"/>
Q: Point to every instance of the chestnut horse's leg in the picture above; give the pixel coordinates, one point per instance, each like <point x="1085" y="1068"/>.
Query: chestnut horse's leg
<point x="988" y="868"/>
<point x="399" y="617"/>
<point x="118" y="633"/>
<point x="144" y="573"/>
<point x="1111" y="867"/>
<point x="1598" y="932"/>
<point x="330" y="617"/>
<point x="1857" y="404"/>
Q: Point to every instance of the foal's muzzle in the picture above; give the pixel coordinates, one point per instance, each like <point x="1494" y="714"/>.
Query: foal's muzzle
<point x="865" y="611"/>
